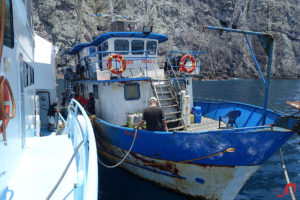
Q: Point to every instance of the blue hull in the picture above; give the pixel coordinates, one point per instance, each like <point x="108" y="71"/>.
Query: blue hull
<point x="253" y="145"/>
<point x="162" y="157"/>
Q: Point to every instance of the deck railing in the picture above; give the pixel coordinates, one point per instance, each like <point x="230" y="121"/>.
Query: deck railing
<point x="79" y="129"/>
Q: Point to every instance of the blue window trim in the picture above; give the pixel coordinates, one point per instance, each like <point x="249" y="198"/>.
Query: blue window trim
<point x="139" y="92"/>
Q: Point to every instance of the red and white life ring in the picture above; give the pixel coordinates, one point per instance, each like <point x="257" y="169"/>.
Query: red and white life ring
<point x="120" y="58"/>
<point x="7" y="103"/>
<point x="182" y="66"/>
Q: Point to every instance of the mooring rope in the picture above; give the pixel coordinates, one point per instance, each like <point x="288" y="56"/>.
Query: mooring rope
<point x="123" y="159"/>
<point x="172" y="162"/>
<point x="92" y="118"/>
<point x="286" y="175"/>
<point x="65" y="171"/>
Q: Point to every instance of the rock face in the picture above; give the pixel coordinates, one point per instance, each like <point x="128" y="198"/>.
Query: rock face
<point x="67" y="22"/>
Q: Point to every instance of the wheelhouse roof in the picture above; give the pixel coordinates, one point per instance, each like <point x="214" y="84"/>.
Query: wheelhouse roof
<point x="101" y="38"/>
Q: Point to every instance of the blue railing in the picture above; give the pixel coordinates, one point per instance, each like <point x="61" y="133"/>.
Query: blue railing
<point x="79" y="128"/>
<point x="144" y="55"/>
<point x="267" y="41"/>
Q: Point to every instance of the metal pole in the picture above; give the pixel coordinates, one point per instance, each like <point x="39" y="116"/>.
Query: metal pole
<point x="254" y="58"/>
<point x="112" y="11"/>
<point x="286" y="175"/>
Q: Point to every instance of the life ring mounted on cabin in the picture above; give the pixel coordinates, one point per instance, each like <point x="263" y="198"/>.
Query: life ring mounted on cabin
<point x="6" y="95"/>
<point x="182" y="66"/>
<point x="120" y="58"/>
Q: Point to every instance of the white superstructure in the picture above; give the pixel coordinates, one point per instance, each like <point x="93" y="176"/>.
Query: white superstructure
<point x="31" y="165"/>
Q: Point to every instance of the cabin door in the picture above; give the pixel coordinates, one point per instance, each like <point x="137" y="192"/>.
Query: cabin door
<point x="44" y="101"/>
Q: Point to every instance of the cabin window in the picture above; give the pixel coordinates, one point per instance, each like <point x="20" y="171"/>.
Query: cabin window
<point x="28" y="74"/>
<point x="132" y="91"/>
<point x="122" y="45"/>
<point x="31" y="76"/>
<point x="95" y="91"/>
<point x="151" y="47"/>
<point x="92" y="51"/>
<point x="137" y="45"/>
<point x="9" y="32"/>
<point x="103" y="48"/>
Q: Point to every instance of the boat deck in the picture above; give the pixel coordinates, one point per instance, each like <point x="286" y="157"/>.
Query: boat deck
<point x="206" y="124"/>
<point x="42" y="164"/>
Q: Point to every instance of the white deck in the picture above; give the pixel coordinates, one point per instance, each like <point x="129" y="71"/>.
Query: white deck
<point x="44" y="160"/>
<point x="206" y="124"/>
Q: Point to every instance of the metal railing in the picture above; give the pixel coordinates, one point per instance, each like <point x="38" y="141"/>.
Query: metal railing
<point x="80" y="130"/>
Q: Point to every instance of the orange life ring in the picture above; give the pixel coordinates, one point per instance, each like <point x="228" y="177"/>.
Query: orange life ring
<point x="6" y="96"/>
<point x="120" y="58"/>
<point x="182" y="66"/>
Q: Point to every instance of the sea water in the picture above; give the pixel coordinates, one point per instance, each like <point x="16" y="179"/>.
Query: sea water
<point x="117" y="183"/>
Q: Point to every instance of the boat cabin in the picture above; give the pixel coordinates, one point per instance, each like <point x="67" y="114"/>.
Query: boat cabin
<point x="128" y="91"/>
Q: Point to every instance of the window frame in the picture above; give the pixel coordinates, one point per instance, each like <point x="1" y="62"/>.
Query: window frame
<point x="92" y="51"/>
<point x="137" y="53"/>
<point x="148" y="41"/>
<point x="123" y="52"/>
<point x="133" y="98"/>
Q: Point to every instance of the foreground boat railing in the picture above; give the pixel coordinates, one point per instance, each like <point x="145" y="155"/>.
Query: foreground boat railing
<point x="80" y="131"/>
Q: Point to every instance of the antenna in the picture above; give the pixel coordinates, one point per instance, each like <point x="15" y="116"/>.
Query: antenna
<point x="112" y="10"/>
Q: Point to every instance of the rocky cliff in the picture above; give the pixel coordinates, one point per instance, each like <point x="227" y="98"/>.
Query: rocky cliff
<point x="67" y="22"/>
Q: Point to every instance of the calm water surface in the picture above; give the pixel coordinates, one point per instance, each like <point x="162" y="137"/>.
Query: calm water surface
<point x="117" y="183"/>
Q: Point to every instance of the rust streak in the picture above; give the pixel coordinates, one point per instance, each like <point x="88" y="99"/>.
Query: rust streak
<point x="130" y="133"/>
<point x="161" y="166"/>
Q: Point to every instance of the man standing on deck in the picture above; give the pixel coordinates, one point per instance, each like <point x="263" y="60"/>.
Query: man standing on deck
<point x="83" y="101"/>
<point x="51" y="116"/>
<point x="154" y="117"/>
<point x="91" y="104"/>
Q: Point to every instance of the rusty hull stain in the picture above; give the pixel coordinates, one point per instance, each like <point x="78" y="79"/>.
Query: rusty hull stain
<point x="214" y="184"/>
<point x="167" y="167"/>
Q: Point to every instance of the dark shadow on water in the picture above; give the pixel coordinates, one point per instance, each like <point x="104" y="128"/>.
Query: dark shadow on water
<point x="117" y="184"/>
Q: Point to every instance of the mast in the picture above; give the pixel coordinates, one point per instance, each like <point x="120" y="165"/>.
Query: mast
<point x="112" y="11"/>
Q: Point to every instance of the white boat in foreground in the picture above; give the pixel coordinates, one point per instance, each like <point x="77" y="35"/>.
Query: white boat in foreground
<point x="58" y="166"/>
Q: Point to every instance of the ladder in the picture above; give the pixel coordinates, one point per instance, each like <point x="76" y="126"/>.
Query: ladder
<point x="167" y="100"/>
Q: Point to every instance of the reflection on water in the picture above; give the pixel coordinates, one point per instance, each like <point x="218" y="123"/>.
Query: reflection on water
<point x="119" y="184"/>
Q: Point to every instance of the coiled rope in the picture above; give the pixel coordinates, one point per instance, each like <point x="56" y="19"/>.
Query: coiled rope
<point x="123" y="159"/>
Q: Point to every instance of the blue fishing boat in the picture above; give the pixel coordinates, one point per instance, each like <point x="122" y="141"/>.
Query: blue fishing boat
<point x="208" y="154"/>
